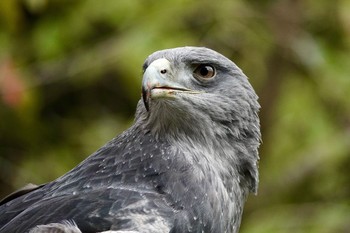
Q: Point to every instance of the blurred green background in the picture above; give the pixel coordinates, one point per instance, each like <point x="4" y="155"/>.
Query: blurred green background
<point x="70" y="74"/>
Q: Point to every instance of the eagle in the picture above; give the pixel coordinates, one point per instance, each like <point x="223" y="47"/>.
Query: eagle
<point x="187" y="164"/>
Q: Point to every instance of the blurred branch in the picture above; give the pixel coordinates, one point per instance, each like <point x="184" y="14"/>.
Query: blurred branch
<point x="285" y="23"/>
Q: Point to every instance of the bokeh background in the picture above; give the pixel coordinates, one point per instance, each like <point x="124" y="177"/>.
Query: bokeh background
<point x="70" y="74"/>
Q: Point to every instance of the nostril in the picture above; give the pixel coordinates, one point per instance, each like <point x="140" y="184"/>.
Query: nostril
<point x="163" y="71"/>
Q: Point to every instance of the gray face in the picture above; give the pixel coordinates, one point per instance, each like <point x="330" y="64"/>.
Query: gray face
<point x="199" y="85"/>
<point x="190" y="70"/>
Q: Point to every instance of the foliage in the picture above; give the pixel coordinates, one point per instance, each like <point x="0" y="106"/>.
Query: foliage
<point x="70" y="75"/>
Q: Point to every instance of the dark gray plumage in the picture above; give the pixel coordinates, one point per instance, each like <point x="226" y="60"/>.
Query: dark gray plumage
<point x="186" y="165"/>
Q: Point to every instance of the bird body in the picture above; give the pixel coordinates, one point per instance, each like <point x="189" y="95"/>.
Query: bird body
<point x="186" y="165"/>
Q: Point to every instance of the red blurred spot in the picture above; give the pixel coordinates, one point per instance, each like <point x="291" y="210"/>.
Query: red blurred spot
<point x="11" y="85"/>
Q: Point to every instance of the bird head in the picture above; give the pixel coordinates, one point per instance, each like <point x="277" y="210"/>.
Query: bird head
<point x="189" y="87"/>
<point x="202" y="95"/>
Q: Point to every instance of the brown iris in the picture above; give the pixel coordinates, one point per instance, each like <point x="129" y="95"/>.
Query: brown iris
<point x="204" y="71"/>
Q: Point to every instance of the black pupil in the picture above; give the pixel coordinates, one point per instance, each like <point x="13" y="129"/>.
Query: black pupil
<point x="204" y="71"/>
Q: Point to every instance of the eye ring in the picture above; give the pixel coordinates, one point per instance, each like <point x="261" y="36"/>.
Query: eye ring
<point x="204" y="72"/>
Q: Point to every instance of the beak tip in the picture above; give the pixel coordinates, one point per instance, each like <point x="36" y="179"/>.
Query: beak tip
<point x="145" y="97"/>
<point x="146" y="105"/>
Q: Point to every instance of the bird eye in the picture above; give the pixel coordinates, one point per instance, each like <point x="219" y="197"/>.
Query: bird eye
<point x="204" y="72"/>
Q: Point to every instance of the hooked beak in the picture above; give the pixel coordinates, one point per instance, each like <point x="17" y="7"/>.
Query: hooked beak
<point x="157" y="83"/>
